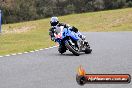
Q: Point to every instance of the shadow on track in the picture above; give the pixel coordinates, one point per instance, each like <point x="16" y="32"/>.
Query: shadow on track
<point x="70" y="54"/>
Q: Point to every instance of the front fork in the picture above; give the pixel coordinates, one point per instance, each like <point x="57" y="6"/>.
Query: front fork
<point x="86" y="44"/>
<point x="82" y="44"/>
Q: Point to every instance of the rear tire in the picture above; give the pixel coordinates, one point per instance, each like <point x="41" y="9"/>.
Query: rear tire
<point x="75" y="52"/>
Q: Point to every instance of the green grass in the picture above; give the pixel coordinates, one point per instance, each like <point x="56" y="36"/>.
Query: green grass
<point x="27" y="36"/>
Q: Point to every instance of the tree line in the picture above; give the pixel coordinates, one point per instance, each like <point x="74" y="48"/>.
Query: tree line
<point x="25" y="10"/>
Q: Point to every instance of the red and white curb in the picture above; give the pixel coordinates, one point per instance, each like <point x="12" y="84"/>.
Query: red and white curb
<point x="28" y="52"/>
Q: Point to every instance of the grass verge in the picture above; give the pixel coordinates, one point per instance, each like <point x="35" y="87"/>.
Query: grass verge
<point x="27" y="36"/>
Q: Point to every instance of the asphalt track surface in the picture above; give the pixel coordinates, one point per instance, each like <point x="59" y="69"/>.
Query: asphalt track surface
<point x="112" y="53"/>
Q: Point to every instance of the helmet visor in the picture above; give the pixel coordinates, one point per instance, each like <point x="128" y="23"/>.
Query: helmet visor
<point x="54" y="23"/>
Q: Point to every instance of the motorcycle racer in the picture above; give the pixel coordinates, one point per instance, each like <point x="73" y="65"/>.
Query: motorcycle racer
<point x="54" y="22"/>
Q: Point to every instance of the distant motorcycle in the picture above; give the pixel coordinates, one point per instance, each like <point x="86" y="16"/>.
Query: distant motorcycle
<point x="69" y="40"/>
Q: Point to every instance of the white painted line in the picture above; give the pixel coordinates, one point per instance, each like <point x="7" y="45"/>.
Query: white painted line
<point x="52" y="47"/>
<point x="19" y="53"/>
<point x="46" y="48"/>
<point x="36" y="50"/>
<point x="41" y="49"/>
<point x="14" y="54"/>
<point x="25" y="52"/>
<point x="29" y="51"/>
<point x="1" y="56"/>
<point x="7" y="55"/>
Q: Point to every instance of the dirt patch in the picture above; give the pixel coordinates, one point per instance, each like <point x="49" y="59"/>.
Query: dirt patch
<point x="119" y="21"/>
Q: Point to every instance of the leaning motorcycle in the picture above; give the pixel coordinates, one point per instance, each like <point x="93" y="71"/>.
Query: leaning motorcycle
<point x="69" y="40"/>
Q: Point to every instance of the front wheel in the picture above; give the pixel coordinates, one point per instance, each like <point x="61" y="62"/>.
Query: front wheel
<point x="74" y="51"/>
<point x="62" y="49"/>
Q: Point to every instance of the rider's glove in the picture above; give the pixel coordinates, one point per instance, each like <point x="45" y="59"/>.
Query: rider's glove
<point x="74" y="29"/>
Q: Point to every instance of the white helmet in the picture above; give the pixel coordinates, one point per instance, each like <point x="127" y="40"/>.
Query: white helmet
<point x="54" y="21"/>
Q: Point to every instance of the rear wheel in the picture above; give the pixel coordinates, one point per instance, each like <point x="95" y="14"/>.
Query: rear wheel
<point x="72" y="49"/>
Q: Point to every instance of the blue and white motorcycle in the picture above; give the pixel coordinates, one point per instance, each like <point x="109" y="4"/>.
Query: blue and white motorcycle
<point x="69" y="40"/>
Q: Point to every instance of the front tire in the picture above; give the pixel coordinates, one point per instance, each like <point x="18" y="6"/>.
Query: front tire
<point x="75" y="52"/>
<point x="61" y="49"/>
